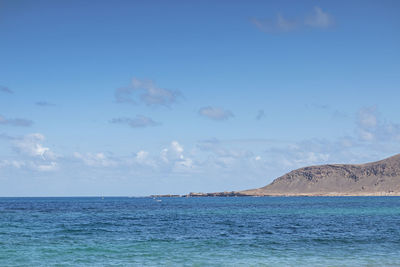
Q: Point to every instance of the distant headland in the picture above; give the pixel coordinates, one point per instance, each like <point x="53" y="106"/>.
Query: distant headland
<point x="380" y="178"/>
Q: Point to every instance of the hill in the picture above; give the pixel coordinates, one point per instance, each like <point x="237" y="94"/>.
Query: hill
<point x="375" y="178"/>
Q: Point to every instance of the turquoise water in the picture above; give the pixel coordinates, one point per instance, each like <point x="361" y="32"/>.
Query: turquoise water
<point x="266" y="231"/>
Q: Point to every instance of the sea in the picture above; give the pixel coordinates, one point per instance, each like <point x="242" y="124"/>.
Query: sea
<point x="200" y="231"/>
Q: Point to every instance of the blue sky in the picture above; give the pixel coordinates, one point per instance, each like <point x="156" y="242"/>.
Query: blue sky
<point x="152" y="97"/>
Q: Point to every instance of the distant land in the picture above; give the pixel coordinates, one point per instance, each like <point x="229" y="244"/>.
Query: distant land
<point x="380" y="178"/>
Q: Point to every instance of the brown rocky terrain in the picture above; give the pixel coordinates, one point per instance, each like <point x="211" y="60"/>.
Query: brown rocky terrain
<point x="370" y="179"/>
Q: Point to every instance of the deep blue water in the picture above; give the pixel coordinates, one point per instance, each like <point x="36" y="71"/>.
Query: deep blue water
<point x="270" y="231"/>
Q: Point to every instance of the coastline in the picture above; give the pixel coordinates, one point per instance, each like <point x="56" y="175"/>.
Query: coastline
<point x="242" y="194"/>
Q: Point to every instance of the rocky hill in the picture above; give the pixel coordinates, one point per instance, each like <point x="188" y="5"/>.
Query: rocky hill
<point x="376" y="178"/>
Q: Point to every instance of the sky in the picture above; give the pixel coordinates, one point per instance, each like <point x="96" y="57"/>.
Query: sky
<point x="132" y="98"/>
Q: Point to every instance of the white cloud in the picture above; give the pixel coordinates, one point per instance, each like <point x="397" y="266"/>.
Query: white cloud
<point x="96" y="159"/>
<point x="319" y="19"/>
<point x="372" y="128"/>
<point x="280" y="24"/>
<point x="33" y="154"/>
<point x="367" y="117"/>
<point x="142" y="155"/>
<point x="147" y="92"/>
<point x="174" y="159"/>
<point x="183" y="165"/>
<point x="31" y="145"/>
<point x="215" y="113"/>
<point x="15" y="122"/>
<point x="13" y="163"/>
<point x="310" y="152"/>
<point x="366" y="135"/>
<point x="44" y="104"/>
<point x="228" y="158"/>
<point x="138" y="122"/>
<point x="176" y="147"/>
<point x="172" y="153"/>
<point x="170" y="159"/>
<point x="36" y="156"/>
<point x="225" y="155"/>
<point x="143" y="158"/>
<point x="52" y="166"/>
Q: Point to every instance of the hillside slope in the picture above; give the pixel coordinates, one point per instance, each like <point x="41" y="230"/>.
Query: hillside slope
<point x="376" y="178"/>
